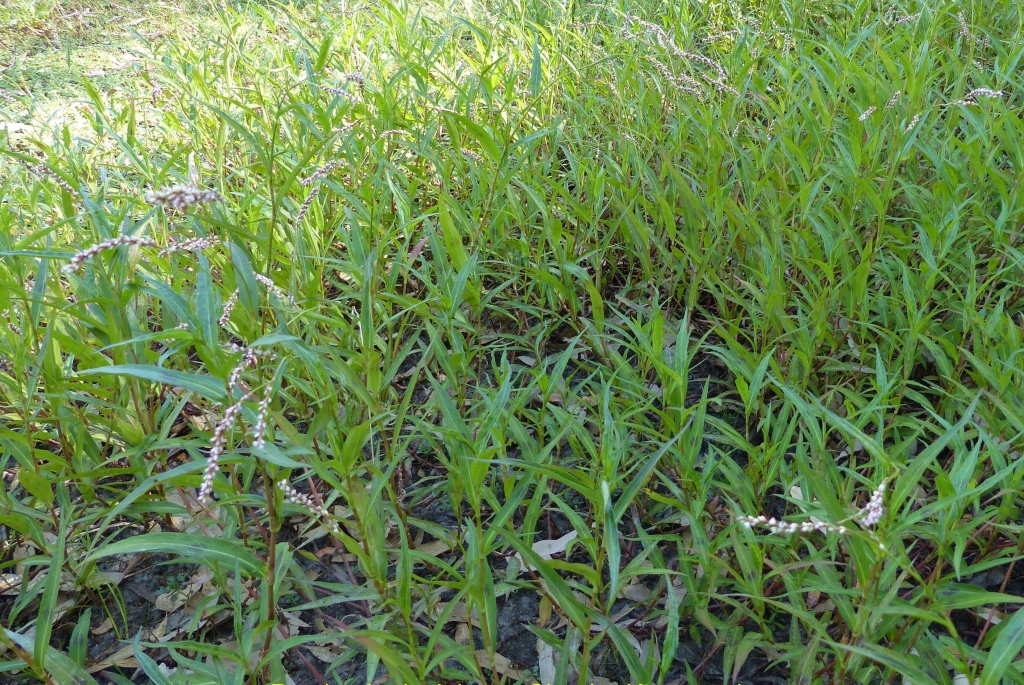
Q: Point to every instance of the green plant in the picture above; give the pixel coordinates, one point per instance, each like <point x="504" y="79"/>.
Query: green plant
<point x="533" y="300"/>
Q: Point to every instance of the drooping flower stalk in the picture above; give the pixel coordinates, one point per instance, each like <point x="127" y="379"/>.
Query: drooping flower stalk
<point x="181" y="197"/>
<point x="91" y="252"/>
<point x="318" y="510"/>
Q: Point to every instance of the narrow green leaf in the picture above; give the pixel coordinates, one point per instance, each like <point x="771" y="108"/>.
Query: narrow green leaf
<point x="962" y="596"/>
<point x="641" y="477"/>
<point x="207" y="310"/>
<point x="219" y="550"/>
<point x="904" y="665"/>
<point x="1008" y="644"/>
<point x="207" y="386"/>
<point x="36" y="485"/>
<point x="61" y="668"/>
<point x="535" y="69"/>
<point x="353" y="446"/>
<point x="48" y="602"/>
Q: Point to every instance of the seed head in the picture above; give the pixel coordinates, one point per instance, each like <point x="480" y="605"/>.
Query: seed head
<point x="249" y="357"/>
<point x="181" y="197"/>
<point x="965" y="30"/>
<point x="190" y="245"/>
<point x="788" y="527"/>
<point x="307" y="204"/>
<point x="318" y="510"/>
<point x="88" y="253"/>
<point x="259" y="432"/>
<point x="217" y="442"/>
<point x="906" y="19"/>
<point x="44" y="171"/>
<point x="225" y="316"/>
<point x="682" y="82"/>
<point x="719" y="80"/>
<point x="971" y="98"/>
<point x="321" y="172"/>
<point x="12" y="326"/>
<point x="868" y="112"/>
<point x="873" y="512"/>
<point x="272" y="287"/>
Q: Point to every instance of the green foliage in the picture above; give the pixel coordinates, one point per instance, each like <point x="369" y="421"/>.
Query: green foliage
<point x="554" y="267"/>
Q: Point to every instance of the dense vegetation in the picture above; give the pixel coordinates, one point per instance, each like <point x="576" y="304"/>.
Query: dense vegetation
<point x="468" y="343"/>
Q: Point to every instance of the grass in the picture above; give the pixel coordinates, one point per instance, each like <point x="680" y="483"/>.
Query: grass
<point x="615" y="279"/>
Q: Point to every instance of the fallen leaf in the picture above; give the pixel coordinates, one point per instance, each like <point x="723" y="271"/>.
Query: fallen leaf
<point x="103" y="628"/>
<point x="546" y="661"/>
<point x="434" y="547"/>
<point x="457" y="614"/>
<point x="648" y="656"/>
<point x="827" y="605"/>
<point x="294" y="621"/>
<point x="124" y="657"/>
<point x="501" y="664"/>
<point x="637" y="592"/>
<point x="544" y="612"/>
<point x="174" y="600"/>
<point x="322" y="653"/>
<point x="10" y="583"/>
<point x="546" y="549"/>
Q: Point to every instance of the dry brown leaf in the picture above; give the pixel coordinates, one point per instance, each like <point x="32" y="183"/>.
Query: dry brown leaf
<point x="124" y="657"/>
<point x="322" y="653"/>
<point x="176" y="624"/>
<point x="313" y="533"/>
<point x="158" y="634"/>
<point x="990" y="614"/>
<point x="20" y="553"/>
<point x="200" y="423"/>
<point x="174" y="600"/>
<point x="827" y="605"/>
<point x="294" y="621"/>
<point x="546" y="549"/>
<point x="545" y="611"/>
<point x="103" y="628"/>
<point x="636" y="592"/>
<point x="501" y="664"/>
<point x="646" y="656"/>
<point x="458" y="614"/>
<point x="188" y="499"/>
<point x="434" y="547"/>
<point x="10" y="583"/>
<point x="339" y="558"/>
<point x="112" y="577"/>
<point x="546" y="661"/>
